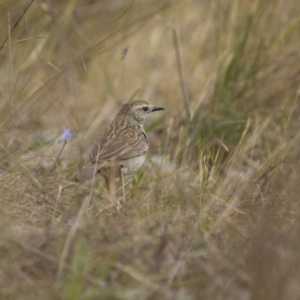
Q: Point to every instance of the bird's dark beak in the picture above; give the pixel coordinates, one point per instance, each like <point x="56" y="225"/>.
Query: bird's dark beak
<point x="154" y="108"/>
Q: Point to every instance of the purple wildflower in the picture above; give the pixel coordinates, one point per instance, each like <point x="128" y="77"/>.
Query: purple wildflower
<point x="66" y="135"/>
<point x="125" y="50"/>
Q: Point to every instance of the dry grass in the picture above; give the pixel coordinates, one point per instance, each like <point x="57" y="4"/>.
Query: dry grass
<point x="214" y="213"/>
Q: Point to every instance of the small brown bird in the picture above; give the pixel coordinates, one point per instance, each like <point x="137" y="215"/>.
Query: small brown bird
<point x="122" y="148"/>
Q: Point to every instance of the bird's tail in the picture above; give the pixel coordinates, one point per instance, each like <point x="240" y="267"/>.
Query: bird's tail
<point x="87" y="173"/>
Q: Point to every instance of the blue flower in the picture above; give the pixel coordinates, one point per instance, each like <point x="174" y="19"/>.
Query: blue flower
<point x="66" y="135"/>
<point x="125" y="50"/>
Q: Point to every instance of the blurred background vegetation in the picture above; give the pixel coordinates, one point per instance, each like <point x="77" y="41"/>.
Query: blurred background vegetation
<point x="213" y="213"/>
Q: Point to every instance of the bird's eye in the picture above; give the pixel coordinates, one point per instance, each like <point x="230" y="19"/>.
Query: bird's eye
<point x="145" y="108"/>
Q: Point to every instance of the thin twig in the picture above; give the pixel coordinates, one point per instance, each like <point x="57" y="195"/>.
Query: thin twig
<point x="180" y="74"/>
<point x="10" y="68"/>
<point x="74" y="229"/>
<point x="71" y="237"/>
<point x="16" y="24"/>
<point x="57" y="158"/>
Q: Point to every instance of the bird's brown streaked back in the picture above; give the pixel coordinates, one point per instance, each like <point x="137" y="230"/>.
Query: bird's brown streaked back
<point x="120" y="142"/>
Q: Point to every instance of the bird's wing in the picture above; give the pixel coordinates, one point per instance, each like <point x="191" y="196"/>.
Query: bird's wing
<point x="124" y="144"/>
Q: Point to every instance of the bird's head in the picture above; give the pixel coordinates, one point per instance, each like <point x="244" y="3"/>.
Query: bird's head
<point x="137" y="110"/>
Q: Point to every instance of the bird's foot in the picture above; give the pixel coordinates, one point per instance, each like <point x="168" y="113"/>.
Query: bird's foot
<point x="114" y="200"/>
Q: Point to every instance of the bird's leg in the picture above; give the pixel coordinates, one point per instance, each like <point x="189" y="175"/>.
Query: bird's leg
<point x="111" y="188"/>
<point x="123" y="171"/>
<point x="110" y="181"/>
